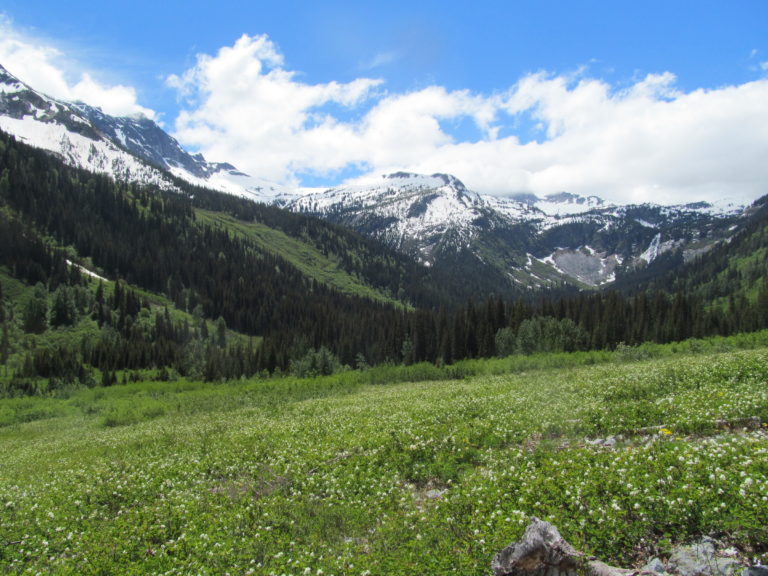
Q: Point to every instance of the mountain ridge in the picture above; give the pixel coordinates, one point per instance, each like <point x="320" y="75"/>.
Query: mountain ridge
<point x="560" y="239"/>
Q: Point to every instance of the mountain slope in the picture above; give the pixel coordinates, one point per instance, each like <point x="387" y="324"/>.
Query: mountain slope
<point x="299" y="282"/>
<point x="731" y="275"/>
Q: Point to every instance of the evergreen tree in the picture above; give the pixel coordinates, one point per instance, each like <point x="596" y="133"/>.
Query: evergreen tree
<point x="221" y="332"/>
<point x="506" y="342"/>
<point x="63" y="309"/>
<point x="35" y="316"/>
<point x="5" y="343"/>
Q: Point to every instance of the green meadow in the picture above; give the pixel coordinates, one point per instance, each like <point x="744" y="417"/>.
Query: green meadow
<point x="395" y="470"/>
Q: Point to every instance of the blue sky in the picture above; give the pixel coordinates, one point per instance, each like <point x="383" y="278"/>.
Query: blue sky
<point x="500" y="93"/>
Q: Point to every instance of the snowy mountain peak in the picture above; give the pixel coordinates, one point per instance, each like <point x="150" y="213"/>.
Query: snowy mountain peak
<point x="567" y="203"/>
<point x="417" y="213"/>
<point x="130" y="147"/>
<point x="560" y="204"/>
<point x="437" y="180"/>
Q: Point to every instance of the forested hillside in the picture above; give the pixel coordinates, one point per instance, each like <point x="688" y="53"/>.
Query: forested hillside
<point x="153" y="240"/>
<point x="208" y="285"/>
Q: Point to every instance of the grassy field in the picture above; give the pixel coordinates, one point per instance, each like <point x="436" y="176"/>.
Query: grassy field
<point x="344" y="476"/>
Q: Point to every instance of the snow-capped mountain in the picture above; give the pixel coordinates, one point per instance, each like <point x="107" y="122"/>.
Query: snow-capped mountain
<point x="531" y="240"/>
<point x="59" y="127"/>
<point x="129" y="148"/>
<point x="418" y="214"/>
<point x="523" y="239"/>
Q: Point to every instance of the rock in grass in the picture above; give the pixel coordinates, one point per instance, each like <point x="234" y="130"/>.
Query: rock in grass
<point x="541" y="552"/>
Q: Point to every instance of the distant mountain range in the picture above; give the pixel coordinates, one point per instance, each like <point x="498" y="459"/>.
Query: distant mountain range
<point x="524" y="240"/>
<point x="535" y="242"/>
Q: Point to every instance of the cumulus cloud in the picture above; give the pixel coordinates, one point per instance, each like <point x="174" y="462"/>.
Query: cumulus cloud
<point x="647" y="141"/>
<point x="242" y="106"/>
<point x="44" y="67"/>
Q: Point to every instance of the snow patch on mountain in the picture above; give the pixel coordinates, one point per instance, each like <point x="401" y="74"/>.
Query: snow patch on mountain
<point x="9" y="86"/>
<point x="656" y="248"/>
<point x="238" y="184"/>
<point x="98" y="156"/>
<point x="85" y="271"/>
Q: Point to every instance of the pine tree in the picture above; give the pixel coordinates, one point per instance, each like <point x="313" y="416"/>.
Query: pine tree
<point x="5" y="343"/>
<point x="63" y="309"/>
<point x="36" y="311"/>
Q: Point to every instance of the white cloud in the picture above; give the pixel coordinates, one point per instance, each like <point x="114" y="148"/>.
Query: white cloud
<point x="45" y="68"/>
<point x="244" y="108"/>
<point x="645" y="141"/>
<point x="115" y="100"/>
<point x="648" y="141"/>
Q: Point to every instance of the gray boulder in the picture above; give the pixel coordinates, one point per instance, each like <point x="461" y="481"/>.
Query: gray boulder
<point x="655" y="565"/>
<point x="541" y="552"/>
<point x="700" y="559"/>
